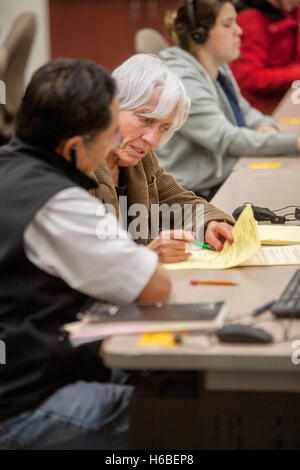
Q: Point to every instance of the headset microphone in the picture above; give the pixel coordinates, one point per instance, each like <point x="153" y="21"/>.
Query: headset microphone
<point x="73" y="156"/>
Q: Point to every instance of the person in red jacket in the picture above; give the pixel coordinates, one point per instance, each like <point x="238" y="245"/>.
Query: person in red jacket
<point x="270" y="51"/>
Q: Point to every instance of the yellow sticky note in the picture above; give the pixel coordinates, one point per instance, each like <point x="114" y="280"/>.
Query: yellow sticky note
<point x="293" y="120"/>
<point x="264" y="165"/>
<point x="157" y="339"/>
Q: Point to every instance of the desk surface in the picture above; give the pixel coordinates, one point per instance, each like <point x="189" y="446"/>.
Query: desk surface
<point x="272" y="188"/>
<point x="290" y="163"/>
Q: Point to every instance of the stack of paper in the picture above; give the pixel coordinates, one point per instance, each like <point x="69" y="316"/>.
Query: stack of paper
<point x="279" y="234"/>
<point x="107" y="320"/>
<point x="272" y="256"/>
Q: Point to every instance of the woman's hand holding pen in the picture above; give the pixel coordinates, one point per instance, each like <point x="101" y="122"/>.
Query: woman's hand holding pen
<point x="170" y="245"/>
<point x="217" y="232"/>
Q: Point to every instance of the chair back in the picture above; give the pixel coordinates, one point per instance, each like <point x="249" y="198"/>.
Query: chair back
<point x="14" y="54"/>
<point x="148" y="40"/>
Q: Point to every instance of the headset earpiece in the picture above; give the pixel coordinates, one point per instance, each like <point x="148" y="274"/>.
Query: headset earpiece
<point x="199" y="34"/>
<point x="73" y="155"/>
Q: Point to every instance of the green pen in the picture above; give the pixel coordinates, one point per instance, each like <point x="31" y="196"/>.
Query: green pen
<point x="203" y="245"/>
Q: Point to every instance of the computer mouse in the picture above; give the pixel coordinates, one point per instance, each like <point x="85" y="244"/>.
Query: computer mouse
<point x="238" y="333"/>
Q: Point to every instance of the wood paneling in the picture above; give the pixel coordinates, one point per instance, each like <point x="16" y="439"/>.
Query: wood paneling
<point x="103" y="30"/>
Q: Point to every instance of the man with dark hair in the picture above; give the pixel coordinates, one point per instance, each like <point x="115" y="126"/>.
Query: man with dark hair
<point x="65" y="98"/>
<point x="55" y="254"/>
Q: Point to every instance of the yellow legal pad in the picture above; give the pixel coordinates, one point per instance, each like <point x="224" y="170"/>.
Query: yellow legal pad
<point x="246" y="243"/>
<point x="279" y="234"/>
<point x="264" y="165"/>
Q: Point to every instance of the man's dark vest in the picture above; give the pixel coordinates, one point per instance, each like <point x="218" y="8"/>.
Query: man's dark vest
<point x="33" y="304"/>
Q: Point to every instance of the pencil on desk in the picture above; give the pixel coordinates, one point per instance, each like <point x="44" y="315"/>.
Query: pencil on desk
<point x="220" y="283"/>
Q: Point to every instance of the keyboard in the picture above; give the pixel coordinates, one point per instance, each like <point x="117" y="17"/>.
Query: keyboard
<point x="288" y="304"/>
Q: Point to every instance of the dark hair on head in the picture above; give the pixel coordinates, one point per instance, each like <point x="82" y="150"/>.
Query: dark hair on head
<point x="178" y="24"/>
<point x="274" y="14"/>
<point x="64" y="98"/>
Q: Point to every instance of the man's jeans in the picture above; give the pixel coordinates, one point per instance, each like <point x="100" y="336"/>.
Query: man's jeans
<point x="82" y="415"/>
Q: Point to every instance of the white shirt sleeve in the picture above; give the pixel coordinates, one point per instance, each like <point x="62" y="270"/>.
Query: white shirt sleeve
<point x="72" y="237"/>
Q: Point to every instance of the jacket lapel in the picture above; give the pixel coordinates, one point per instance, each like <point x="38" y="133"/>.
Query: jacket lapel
<point x="137" y="186"/>
<point x="106" y="191"/>
<point x="137" y="192"/>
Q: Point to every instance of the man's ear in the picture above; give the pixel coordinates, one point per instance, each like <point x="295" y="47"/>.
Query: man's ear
<point x="64" y="147"/>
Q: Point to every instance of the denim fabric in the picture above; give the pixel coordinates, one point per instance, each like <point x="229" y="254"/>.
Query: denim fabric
<point x="80" y="415"/>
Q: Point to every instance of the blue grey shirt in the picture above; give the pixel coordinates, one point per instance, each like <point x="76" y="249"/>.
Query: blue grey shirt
<point x="202" y="153"/>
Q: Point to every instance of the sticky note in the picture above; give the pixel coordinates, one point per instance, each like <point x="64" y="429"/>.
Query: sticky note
<point x="264" y="165"/>
<point x="157" y="339"/>
<point x="293" y="120"/>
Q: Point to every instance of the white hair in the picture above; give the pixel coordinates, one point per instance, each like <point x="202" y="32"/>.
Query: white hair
<point x="139" y="77"/>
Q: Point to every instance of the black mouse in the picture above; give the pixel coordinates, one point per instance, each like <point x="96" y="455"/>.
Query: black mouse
<point x="237" y="333"/>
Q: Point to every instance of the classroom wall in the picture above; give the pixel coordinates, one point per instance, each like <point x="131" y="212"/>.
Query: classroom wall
<point x="10" y="9"/>
<point x="103" y="30"/>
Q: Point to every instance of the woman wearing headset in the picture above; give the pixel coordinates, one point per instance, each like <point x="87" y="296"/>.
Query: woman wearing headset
<point x="221" y="125"/>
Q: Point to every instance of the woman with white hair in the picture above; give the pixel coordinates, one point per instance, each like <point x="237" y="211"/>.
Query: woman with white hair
<point x="153" y="105"/>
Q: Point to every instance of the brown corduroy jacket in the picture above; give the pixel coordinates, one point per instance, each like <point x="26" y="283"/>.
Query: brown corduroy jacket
<point x="149" y="184"/>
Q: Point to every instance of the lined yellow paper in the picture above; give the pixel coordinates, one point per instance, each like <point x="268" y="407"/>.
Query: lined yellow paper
<point x="246" y="242"/>
<point x="264" y="165"/>
<point x="279" y="234"/>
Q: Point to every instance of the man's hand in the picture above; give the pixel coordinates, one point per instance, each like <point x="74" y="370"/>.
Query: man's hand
<point x="170" y="245"/>
<point x="217" y="232"/>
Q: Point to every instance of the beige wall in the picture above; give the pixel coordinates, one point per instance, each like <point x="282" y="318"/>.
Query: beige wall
<point x="10" y="9"/>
